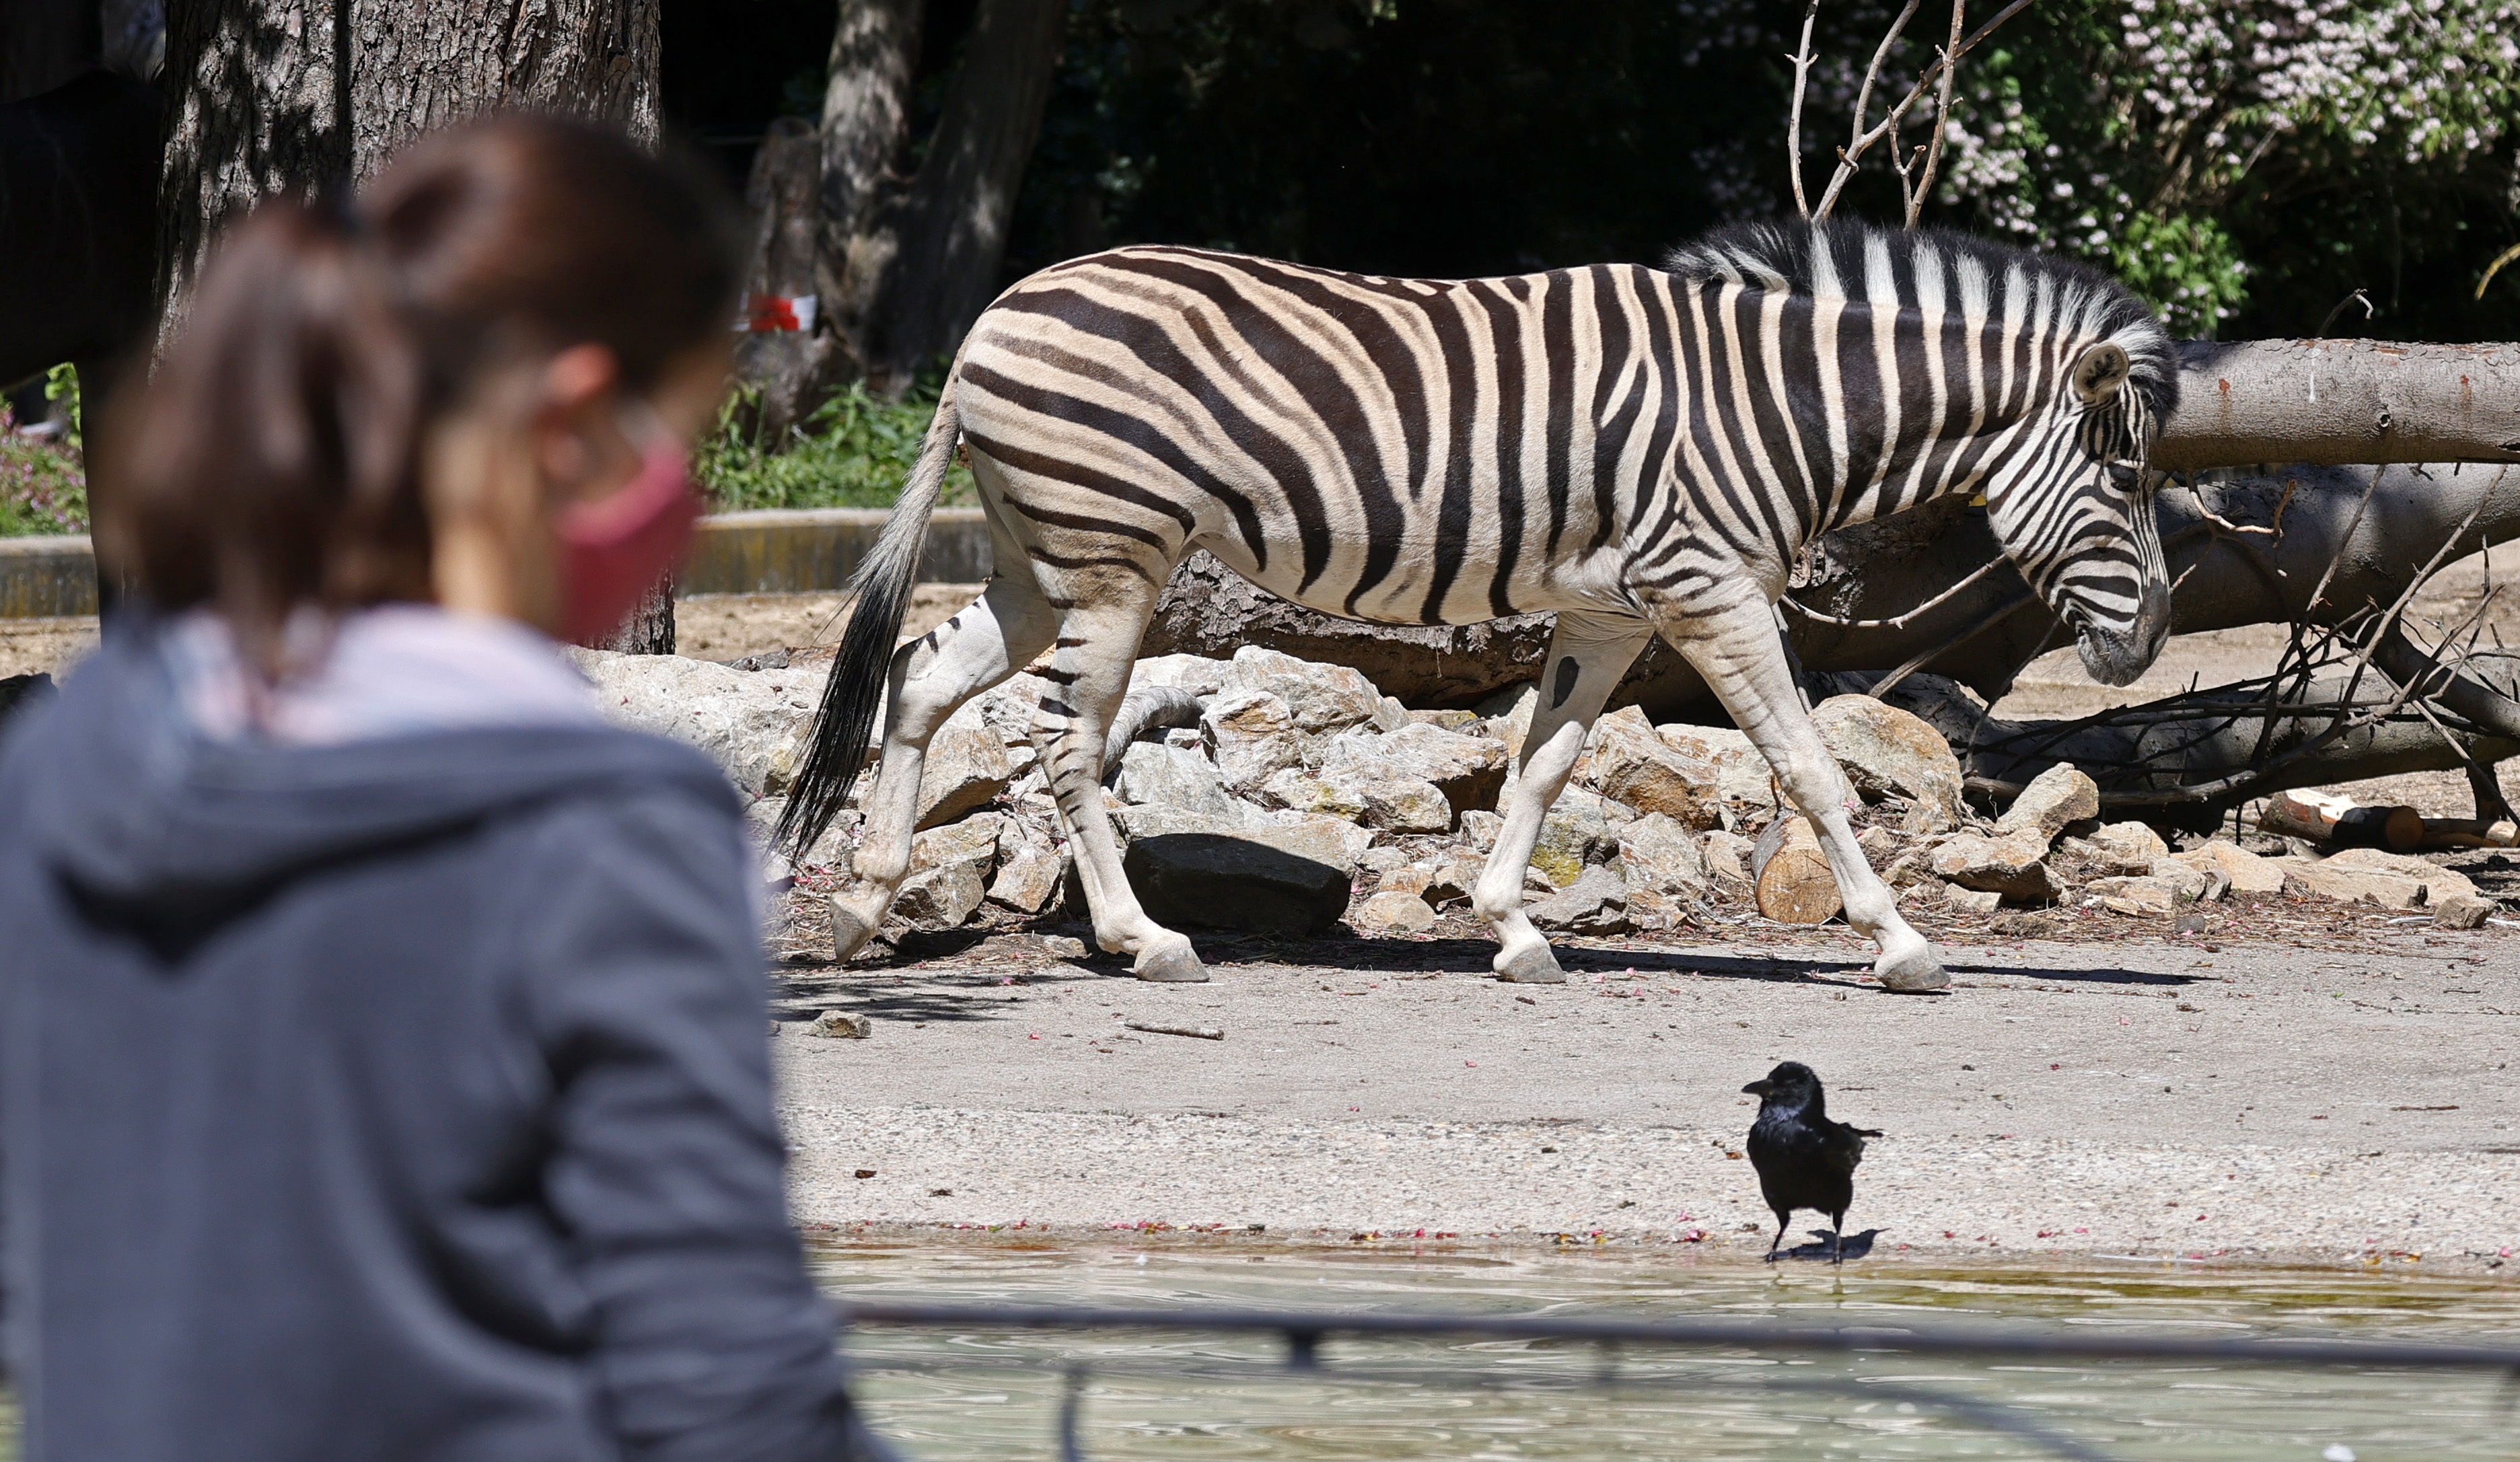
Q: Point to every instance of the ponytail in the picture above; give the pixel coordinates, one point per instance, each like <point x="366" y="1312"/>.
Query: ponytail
<point x="274" y="460"/>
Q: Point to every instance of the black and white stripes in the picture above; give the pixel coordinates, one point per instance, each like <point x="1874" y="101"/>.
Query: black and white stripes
<point x="1641" y="450"/>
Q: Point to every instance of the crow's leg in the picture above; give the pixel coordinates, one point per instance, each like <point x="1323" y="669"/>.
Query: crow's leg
<point x="1837" y="1238"/>
<point x="1783" y="1220"/>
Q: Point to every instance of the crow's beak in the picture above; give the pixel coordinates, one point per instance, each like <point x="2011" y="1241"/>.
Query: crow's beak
<point x="1757" y="1089"/>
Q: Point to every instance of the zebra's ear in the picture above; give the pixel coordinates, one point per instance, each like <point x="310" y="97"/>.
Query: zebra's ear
<point x="2100" y="373"/>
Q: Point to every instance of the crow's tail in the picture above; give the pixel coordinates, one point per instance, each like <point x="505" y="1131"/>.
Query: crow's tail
<point x="881" y="590"/>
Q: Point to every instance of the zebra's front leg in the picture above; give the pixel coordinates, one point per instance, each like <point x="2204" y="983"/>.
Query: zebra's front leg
<point x="1588" y="653"/>
<point x="1739" y="653"/>
<point x="930" y="679"/>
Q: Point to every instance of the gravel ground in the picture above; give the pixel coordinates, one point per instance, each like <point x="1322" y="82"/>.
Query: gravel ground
<point x="2342" y="1100"/>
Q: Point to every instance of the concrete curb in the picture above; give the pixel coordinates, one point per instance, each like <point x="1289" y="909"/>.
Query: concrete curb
<point x="776" y="551"/>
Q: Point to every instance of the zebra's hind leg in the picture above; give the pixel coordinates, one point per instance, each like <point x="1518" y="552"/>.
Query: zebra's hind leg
<point x="1739" y="653"/>
<point x="1588" y="653"/>
<point x="1098" y="641"/>
<point x="931" y="677"/>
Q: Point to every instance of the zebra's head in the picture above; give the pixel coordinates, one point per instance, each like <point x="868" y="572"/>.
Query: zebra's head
<point x="2072" y="504"/>
<point x="2065" y="492"/>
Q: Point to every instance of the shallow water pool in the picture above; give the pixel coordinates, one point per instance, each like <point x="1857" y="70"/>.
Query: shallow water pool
<point x="998" y="1393"/>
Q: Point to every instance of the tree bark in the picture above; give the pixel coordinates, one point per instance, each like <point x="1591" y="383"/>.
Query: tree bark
<point x="949" y="231"/>
<point x="2341" y="402"/>
<point x="273" y="95"/>
<point x="866" y="107"/>
<point x="790" y="372"/>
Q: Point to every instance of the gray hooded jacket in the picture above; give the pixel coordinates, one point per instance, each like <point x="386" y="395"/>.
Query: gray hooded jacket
<point x="398" y="1100"/>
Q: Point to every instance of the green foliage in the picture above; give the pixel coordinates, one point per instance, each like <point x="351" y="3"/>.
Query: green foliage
<point x="43" y="486"/>
<point x="856" y="451"/>
<point x="2246" y="165"/>
<point x="61" y="389"/>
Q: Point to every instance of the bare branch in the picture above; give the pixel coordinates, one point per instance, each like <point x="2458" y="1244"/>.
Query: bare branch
<point x="1858" y="139"/>
<point x="1941" y="117"/>
<point x="1849" y="156"/>
<point x="1794" y="122"/>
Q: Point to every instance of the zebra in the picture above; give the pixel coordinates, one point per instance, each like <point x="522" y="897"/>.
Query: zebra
<point x="1641" y="450"/>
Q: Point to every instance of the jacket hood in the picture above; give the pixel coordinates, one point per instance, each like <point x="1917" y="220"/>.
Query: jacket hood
<point x="148" y="821"/>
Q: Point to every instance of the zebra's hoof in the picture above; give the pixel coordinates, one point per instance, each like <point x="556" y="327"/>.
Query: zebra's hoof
<point x="1532" y="966"/>
<point x="1176" y="963"/>
<point x="1913" y="973"/>
<point x="849" y="933"/>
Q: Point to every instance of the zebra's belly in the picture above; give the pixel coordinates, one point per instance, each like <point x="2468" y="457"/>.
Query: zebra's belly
<point x="1410" y="592"/>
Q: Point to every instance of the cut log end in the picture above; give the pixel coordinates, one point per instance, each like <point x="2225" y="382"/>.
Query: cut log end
<point x="1792" y="879"/>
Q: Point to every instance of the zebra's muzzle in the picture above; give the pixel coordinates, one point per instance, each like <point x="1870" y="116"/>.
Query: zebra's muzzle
<point x="2116" y="656"/>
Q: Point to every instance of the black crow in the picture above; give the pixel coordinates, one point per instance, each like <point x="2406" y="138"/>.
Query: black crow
<point x="1803" y="1159"/>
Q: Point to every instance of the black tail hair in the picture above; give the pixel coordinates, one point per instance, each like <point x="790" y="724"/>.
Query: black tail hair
<point x="881" y="590"/>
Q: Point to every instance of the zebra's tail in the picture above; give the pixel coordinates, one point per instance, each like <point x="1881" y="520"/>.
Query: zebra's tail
<point x="880" y="591"/>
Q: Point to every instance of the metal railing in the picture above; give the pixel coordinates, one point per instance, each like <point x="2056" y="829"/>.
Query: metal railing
<point x="1302" y="1333"/>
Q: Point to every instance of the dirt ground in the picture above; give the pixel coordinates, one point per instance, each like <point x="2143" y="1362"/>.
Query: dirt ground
<point x="2296" y="1081"/>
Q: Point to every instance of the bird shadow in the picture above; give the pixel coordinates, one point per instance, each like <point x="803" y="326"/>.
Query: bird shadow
<point x="1857" y="1245"/>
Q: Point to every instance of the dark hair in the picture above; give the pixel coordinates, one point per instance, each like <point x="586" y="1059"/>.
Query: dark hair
<point x="274" y="459"/>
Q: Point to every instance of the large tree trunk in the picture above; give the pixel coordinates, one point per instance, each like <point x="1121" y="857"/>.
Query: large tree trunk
<point x="942" y="244"/>
<point x="271" y="96"/>
<point x="2341" y="402"/>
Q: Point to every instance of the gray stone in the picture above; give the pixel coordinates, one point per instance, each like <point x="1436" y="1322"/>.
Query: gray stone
<point x="1743" y="776"/>
<point x="1383" y="860"/>
<point x="2248" y="872"/>
<point x="1574" y="836"/>
<point x="831" y="852"/>
<point x="1469" y="770"/>
<point x="1323" y="699"/>
<point x="1887" y="752"/>
<point x="1629" y="762"/>
<point x="1595" y="903"/>
<point x="1152" y="773"/>
<point x="2012" y="868"/>
<point x="753" y="723"/>
<point x="1972" y="901"/>
<point x="939" y="897"/>
<point x="1197" y="674"/>
<point x="1664" y="869"/>
<point x="1029" y="869"/>
<point x="966" y="768"/>
<point x="2025" y="926"/>
<point x="2055" y="797"/>
<point x="1324" y="840"/>
<point x="1508" y="715"/>
<point x="2130" y="846"/>
<point x="2459" y="911"/>
<point x="1206" y="881"/>
<point x="1391" y="804"/>
<point x="840" y="1025"/>
<point x="1254" y="737"/>
<point x="1727" y="857"/>
<point x="1454" y="879"/>
<point x="1479" y="829"/>
<point x="2324" y="878"/>
<point x="2437" y="882"/>
<point x="1394" y="912"/>
<point x="974" y="840"/>
<point x="2141" y="897"/>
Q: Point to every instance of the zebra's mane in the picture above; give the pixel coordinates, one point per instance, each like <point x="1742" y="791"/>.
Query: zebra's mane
<point x="1848" y="261"/>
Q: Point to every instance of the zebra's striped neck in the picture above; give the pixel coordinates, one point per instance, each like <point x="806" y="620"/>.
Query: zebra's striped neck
<point x="1840" y="411"/>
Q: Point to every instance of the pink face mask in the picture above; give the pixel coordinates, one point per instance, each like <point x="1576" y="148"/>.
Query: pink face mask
<point x="617" y="549"/>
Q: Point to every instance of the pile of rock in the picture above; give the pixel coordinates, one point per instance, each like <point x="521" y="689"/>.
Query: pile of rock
<point x="1303" y="797"/>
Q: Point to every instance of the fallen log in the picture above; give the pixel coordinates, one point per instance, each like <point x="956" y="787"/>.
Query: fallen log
<point x="2340" y="402"/>
<point x="1789" y="874"/>
<point x="2323" y="817"/>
